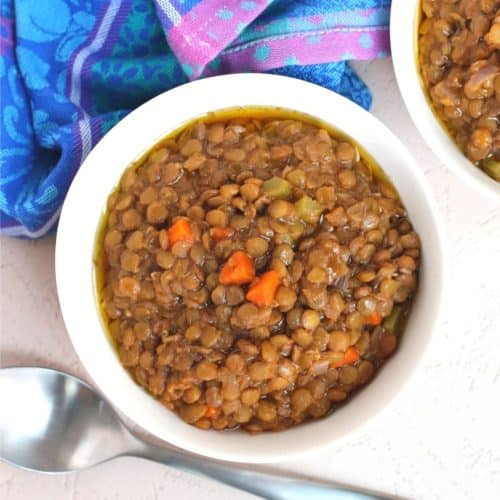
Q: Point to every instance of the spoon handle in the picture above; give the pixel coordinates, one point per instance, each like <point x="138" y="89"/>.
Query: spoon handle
<point x="269" y="485"/>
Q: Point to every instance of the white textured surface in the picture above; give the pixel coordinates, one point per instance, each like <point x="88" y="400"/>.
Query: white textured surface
<point x="439" y="440"/>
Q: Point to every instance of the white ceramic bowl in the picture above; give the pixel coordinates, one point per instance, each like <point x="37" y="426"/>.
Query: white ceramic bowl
<point x="404" y="46"/>
<point x="134" y="135"/>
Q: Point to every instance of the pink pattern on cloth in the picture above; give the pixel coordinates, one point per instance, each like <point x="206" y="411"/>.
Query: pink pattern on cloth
<point x="337" y="44"/>
<point x="5" y="37"/>
<point x="209" y="28"/>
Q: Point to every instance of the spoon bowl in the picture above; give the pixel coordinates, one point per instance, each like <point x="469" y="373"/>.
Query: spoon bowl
<point x="53" y="422"/>
<point x="57" y="423"/>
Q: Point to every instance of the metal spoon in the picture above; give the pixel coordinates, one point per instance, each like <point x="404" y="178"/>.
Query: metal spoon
<point x="53" y="422"/>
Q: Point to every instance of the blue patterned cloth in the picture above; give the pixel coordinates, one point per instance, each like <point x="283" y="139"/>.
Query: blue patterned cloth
<point x="71" y="69"/>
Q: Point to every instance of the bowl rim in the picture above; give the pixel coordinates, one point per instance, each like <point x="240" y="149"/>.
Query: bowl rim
<point x="75" y="283"/>
<point x="403" y="31"/>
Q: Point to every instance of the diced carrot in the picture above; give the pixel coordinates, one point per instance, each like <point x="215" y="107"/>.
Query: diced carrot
<point x="221" y="233"/>
<point x="373" y="319"/>
<point x="180" y="231"/>
<point x="211" y="411"/>
<point x="238" y="270"/>
<point x="263" y="290"/>
<point x="350" y="357"/>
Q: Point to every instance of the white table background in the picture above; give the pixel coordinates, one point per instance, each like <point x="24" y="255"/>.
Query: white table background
<point x="439" y="440"/>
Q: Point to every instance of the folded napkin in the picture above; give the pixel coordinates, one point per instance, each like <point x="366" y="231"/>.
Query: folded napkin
<point x="71" y="69"/>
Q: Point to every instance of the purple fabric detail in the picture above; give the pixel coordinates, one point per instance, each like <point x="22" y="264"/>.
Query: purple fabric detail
<point x="71" y="78"/>
<point x="170" y="11"/>
<point x="184" y="6"/>
<point x="168" y="15"/>
<point x="207" y="29"/>
<point x="6" y="35"/>
<point x="330" y="45"/>
<point x="358" y="18"/>
<point x="7" y="222"/>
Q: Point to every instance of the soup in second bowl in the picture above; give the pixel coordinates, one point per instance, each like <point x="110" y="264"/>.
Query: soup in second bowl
<point x="459" y="54"/>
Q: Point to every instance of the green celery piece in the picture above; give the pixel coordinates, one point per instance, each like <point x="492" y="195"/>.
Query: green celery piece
<point x="492" y="168"/>
<point x="308" y="210"/>
<point x="277" y="188"/>
<point x="390" y="323"/>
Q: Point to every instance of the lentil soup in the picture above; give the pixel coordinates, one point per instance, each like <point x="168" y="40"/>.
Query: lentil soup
<point x="459" y="56"/>
<point x="254" y="270"/>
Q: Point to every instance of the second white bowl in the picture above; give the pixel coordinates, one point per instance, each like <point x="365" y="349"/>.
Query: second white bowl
<point x="404" y="47"/>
